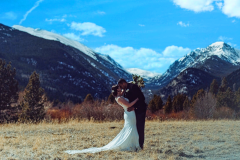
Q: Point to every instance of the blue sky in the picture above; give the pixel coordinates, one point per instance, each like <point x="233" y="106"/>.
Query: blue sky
<point x="149" y="35"/>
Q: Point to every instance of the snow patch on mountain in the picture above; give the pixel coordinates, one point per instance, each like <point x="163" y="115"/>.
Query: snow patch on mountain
<point x="143" y="73"/>
<point x="56" y="37"/>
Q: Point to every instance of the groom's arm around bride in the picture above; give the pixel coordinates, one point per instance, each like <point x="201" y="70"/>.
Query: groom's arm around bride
<point x="136" y="92"/>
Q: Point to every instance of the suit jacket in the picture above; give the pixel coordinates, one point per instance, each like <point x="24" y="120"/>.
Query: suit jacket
<point x="133" y="92"/>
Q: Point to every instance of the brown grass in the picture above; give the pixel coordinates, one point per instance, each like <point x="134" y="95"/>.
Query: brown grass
<point x="164" y="140"/>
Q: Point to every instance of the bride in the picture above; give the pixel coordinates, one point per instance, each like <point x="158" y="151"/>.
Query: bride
<point x="127" y="139"/>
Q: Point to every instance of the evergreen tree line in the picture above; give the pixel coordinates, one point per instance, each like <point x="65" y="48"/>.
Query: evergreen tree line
<point x="203" y="104"/>
<point x="30" y="108"/>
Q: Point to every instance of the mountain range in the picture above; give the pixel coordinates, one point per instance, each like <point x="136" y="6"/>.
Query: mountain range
<point x="68" y="70"/>
<point x="218" y="59"/>
<point x="197" y="69"/>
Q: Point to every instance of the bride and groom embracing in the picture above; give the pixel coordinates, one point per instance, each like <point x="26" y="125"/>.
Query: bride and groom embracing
<point x="131" y="137"/>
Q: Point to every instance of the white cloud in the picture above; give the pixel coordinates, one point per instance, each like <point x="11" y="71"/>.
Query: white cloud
<point x="55" y="19"/>
<point x="9" y="15"/>
<point x="73" y="37"/>
<point x="233" y="21"/>
<point x="219" y="4"/>
<point x="231" y="8"/>
<point x="88" y="28"/>
<point x="34" y="7"/>
<point x="222" y="38"/>
<point x="101" y="12"/>
<point x="195" y="5"/>
<point x="183" y="24"/>
<point x="143" y="58"/>
<point x="141" y="25"/>
<point x="175" y="51"/>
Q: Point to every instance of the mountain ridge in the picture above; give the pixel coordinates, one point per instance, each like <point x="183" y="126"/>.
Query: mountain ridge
<point x="219" y="59"/>
<point x="66" y="73"/>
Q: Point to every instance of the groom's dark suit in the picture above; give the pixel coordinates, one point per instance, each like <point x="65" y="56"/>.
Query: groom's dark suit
<point x="133" y="92"/>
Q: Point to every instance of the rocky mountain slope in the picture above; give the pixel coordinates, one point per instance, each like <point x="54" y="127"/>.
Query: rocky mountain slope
<point x="68" y="69"/>
<point x="188" y="82"/>
<point x="219" y="59"/>
<point x="233" y="80"/>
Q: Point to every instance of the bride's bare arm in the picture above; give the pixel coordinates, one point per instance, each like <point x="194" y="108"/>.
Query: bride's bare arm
<point x="126" y="103"/>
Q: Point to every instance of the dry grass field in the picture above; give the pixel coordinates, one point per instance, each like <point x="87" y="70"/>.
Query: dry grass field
<point x="164" y="140"/>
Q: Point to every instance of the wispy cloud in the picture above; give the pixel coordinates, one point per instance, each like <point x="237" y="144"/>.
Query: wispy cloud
<point x="219" y="4"/>
<point x="101" y="12"/>
<point x="88" y="28"/>
<point x="34" y="7"/>
<point x="130" y="57"/>
<point x="9" y="15"/>
<point x="56" y="20"/>
<point x="183" y="24"/>
<point x="233" y="21"/>
<point x="222" y="38"/>
<point x="141" y="25"/>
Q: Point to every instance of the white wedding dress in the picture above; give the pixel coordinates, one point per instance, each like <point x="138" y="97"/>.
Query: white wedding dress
<point x="126" y="140"/>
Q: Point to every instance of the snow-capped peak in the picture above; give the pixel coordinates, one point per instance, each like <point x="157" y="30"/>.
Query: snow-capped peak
<point x="201" y="57"/>
<point x="223" y="51"/>
<point x="217" y="44"/>
<point x="143" y="73"/>
<point x="56" y="37"/>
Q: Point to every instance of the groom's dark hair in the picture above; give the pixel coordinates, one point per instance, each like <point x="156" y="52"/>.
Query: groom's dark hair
<point x="120" y="81"/>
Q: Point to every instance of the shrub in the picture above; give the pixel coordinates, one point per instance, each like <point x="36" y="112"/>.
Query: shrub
<point x="111" y="99"/>
<point x="224" y="113"/>
<point x="204" y="106"/>
<point x="89" y="99"/>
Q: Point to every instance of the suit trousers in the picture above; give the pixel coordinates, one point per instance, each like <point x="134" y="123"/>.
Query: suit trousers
<point x="140" y="117"/>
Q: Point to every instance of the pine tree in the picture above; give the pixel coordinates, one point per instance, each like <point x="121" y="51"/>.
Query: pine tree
<point x="168" y="106"/>
<point x="8" y="90"/>
<point x="238" y="99"/>
<point x="111" y="99"/>
<point x="214" y="87"/>
<point x="152" y="106"/>
<point x="224" y="85"/>
<point x="178" y="101"/>
<point x="200" y="93"/>
<point x="155" y="104"/>
<point x="138" y="80"/>
<point x="32" y="106"/>
<point x="158" y="102"/>
<point x="89" y="99"/>
<point x="226" y="99"/>
<point x="186" y="104"/>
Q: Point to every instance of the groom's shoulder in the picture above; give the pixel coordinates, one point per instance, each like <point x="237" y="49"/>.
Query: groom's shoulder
<point x="131" y="85"/>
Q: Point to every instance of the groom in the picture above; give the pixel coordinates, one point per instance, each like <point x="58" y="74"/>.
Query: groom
<point x="132" y="91"/>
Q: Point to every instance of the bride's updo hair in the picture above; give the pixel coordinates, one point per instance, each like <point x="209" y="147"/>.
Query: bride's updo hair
<point x="114" y="90"/>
